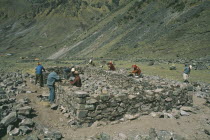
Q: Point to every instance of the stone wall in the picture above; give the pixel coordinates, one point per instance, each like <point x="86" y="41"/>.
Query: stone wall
<point x="110" y="96"/>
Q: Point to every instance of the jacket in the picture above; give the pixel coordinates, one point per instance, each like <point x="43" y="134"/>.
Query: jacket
<point x="136" y="70"/>
<point x="77" y="82"/>
<point x="39" y="69"/>
<point x="187" y="70"/>
<point x="52" y="78"/>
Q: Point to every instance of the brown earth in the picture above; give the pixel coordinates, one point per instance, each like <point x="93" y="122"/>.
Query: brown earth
<point x="191" y="127"/>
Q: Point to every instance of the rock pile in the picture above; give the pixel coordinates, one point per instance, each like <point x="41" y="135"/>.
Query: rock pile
<point x="15" y="117"/>
<point x="153" y="135"/>
<point x="12" y="84"/>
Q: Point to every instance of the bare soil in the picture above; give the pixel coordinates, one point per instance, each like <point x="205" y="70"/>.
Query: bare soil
<point x="191" y="127"/>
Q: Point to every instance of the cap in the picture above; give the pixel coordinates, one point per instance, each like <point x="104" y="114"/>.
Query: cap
<point x="73" y="69"/>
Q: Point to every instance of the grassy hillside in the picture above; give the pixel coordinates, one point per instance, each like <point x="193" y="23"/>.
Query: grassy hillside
<point x="114" y="29"/>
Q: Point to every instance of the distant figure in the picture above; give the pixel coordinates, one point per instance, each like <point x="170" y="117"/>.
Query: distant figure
<point x="51" y="79"/>
<point x="111" y="66"/>
<point x="136" y="70"/>
<point x="77" y="81"/>
<point x="72" y="75"/>
<point x="186" y="73"/>
<point x="91" y="63"/>
<point x="39" y="75"/>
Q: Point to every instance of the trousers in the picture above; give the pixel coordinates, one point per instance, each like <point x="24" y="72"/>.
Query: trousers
<point x="52" y="93"/>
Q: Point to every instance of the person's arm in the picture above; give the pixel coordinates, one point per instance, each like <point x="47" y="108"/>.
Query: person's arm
<point x="75" y="80"/>
<point x="43" y="69"/>
<point x="57" y="78"/>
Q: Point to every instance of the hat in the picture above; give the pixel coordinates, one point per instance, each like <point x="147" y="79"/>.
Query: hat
<point x="76" y="72"/>
<point x="73" y="69"/>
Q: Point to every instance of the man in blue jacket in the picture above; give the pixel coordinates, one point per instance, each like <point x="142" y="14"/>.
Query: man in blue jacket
<point x="51" y="79"/>
<point x="39" y="75"/>
<point x="186" y="73"/>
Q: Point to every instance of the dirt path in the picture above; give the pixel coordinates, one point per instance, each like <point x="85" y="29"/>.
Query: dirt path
<point x="192" y="127"/>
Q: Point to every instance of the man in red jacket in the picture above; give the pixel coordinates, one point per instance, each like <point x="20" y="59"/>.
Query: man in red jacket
<point x="136" y="70"/>
<point x="77" y="81"/>
<point x="111" y="66"/>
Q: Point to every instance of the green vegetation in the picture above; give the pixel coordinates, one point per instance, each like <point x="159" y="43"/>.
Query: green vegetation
<point x="109" y="29"/>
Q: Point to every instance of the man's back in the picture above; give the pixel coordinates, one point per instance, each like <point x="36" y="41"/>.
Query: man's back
<point x="39" y="69"/>
<point x="52" y="77"/>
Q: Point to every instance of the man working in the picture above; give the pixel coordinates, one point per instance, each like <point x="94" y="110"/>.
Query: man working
<point x="136" y="70"/>
<point x="77" y="81"/>
<point x="111" y="66"/>
<point x="39" y="75"/>
<point x="186" y="73"/>
<point x="51" y="79"/>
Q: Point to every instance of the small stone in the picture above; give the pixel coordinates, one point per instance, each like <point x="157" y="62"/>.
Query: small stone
<point x="26" y="110"/>
<point x="54" y="106"/>
<point x="168" y="99"/>
<point x="82" y="113"/>
<point x="184" y="113"/>
<point x="187" y="108"/>
<point x="25" y="129"/>
<point x="14" y="132"/>
<point x="27" y="122"/>
<point x="81" y="94"/>
<point x="122" y="136"/>
<point x="9" y="128"/>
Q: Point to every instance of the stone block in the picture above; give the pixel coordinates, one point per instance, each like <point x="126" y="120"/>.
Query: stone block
<point x="82" y="113"/>
<point x="104" y="97"/>
<point x="9" y="119"/>
<point x="81" y="94"/>
<point x="80" y="100"/>
<point x="91" y="101"/>
<point x="101" y="106"/>
<point x="26" y="110"/>
<point x="89" y="107"/>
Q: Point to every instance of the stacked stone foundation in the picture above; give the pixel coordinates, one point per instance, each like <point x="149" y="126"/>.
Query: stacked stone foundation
<point x="145" y="95"/>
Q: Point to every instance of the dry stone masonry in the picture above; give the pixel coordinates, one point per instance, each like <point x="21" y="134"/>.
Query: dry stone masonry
<point x="111" y="96"/>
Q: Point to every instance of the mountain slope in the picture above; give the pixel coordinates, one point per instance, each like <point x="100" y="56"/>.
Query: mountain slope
<point x="119" y="29"/>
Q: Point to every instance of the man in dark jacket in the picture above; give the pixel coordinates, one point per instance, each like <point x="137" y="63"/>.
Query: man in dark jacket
<point x="77" y="81"/>
<point x="39" y="75"/>
<point x="51" y="79"/>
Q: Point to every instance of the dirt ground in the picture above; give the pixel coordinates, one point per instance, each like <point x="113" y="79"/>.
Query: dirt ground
<point x="191" y="127"/>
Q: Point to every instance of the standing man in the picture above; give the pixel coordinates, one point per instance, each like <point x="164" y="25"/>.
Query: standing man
<point x="186" y="73"/>
<point x="39" y="75"/>
<point x="51" y="79"/>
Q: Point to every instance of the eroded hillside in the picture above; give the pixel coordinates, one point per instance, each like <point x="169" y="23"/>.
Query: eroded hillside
<point x="110" y="29"/>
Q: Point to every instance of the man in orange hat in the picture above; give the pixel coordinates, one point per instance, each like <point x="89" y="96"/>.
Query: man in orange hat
<point x="111" y="66"/>
<point x="136" y="70"/>
<point x="39" y="75"/>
